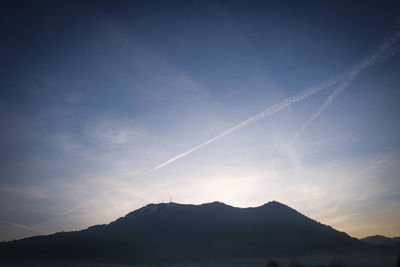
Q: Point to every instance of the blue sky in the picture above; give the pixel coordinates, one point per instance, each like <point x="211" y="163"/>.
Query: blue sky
<point x="94" y="96"/>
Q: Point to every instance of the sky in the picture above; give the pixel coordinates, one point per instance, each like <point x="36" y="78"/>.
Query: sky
<point x="108" y="106"/>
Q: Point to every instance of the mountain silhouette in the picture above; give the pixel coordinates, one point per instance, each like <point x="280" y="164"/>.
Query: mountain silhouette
<point x="171" y="232"/>
<point x="381" y="240"/>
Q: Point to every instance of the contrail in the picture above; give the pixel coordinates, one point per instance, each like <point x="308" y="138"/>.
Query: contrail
<point x="268" y="112"/>
<point x="343" y="86"/>
<point x="34" y="227"/>
<point x="379" y="55"/>
<point x="347" y="76"/>
<point x="21" y="226"/>
<point x="65" y="212"/>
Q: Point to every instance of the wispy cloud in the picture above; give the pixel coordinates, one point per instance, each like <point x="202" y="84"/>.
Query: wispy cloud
<point x="381" y="53"/>
<point x="111" y="132"/>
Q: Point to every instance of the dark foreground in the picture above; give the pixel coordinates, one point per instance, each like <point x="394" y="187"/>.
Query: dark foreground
<point x="212" y="234"/>
<point x="382" y="260"/>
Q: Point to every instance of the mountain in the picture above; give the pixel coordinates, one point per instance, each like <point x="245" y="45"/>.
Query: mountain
<point x="171" y="232"/>
<point x="381" y="240"/>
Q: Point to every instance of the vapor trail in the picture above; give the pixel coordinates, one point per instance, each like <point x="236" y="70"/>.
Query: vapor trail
<point x="21" y="226"/>
<point x="65" y="212"/>
<point x="268" y="112"/>
<point x="379" y="55"/>
<point x="347" y="76"/>
<point x="34" y="228"/>
<point x="343" y="86"/>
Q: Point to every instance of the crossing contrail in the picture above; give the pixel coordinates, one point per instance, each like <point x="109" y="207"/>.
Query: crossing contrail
<point x="269" y="111"/>
<point x="379" y="55"/>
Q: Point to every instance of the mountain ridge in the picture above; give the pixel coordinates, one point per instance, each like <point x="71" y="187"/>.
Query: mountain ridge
<point x="173" y="232"/>
<point x="381" y="240"/>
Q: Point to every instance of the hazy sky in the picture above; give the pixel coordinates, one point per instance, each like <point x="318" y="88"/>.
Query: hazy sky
<point x="95" y="96"/>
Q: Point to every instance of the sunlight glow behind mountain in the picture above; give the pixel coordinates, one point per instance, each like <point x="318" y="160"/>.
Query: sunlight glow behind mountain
<point x="96" y="94"/>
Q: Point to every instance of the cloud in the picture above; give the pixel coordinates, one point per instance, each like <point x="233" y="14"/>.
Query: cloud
<point x="112" y="133"/>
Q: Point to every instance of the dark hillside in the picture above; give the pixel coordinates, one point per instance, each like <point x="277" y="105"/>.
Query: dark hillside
<point x="171" y="232"/>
